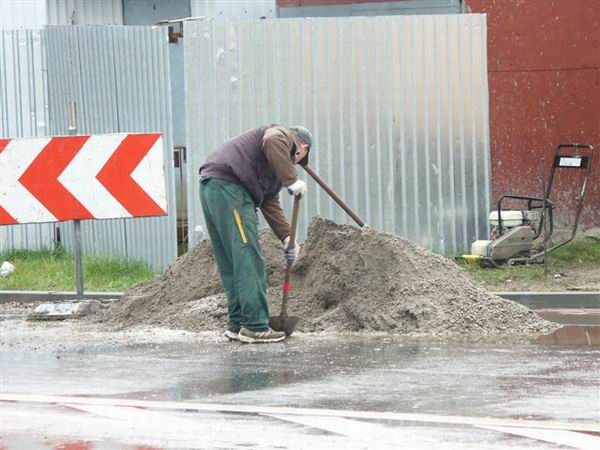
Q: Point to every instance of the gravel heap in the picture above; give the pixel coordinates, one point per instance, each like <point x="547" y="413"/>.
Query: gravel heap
<point x="346" y="280"/>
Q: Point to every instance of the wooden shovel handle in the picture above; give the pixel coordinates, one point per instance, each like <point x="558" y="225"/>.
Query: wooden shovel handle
<point x="291" y="245"/>
<point x="361" y="223"/>
<point x="294" y="225"/>
<point x="292" y="240"/>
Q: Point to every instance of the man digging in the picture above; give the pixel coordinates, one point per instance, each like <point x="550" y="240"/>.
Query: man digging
<point x="241" y="175"/>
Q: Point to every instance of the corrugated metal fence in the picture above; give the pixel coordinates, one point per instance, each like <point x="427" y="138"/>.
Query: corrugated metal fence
<point x="398" y="106"/>
<point x="119" y="78"/>
<point x="23" y="113"/>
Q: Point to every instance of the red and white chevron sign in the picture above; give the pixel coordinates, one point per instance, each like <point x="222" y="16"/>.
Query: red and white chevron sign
<point x="81" y="177"/>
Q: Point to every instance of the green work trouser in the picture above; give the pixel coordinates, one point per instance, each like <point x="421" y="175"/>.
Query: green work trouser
<point x="237" y="252"/>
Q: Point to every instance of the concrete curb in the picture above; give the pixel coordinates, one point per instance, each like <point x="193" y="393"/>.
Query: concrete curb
<point x="544" y="300"/>
<point x="53" y="296"/>
<point x="533" y="300"/>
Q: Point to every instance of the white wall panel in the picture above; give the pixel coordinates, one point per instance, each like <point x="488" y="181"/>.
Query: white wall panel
<point x="22" y="14"/>
<point x="85" y="12"/>
<point x="234" y="9"/>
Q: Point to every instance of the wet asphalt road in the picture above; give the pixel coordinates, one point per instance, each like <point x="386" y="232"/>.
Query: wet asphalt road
<point x="60" y="391"/>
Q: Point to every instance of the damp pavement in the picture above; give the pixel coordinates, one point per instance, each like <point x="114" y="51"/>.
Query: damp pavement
<point x="66" y="385"/>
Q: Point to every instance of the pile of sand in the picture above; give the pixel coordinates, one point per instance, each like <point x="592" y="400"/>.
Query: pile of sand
<point x="346" y="279"/>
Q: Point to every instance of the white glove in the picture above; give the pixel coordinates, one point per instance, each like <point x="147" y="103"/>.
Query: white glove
<point x="297" y="188"/>
<point x="290" y="254"/>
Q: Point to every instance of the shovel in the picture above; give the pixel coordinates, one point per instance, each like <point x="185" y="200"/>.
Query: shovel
<point x="361" y="223"/>
<point x="283" y="322"/>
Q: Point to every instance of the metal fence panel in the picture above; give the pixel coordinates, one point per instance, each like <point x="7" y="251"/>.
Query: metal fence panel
<point x="398" y="107"/>
<point x="23" y="113"/>
<point x="84" y="12"/>
<point x="119" y="78"/>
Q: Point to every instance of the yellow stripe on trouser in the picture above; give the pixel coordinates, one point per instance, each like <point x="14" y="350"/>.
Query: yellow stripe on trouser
<point x="238" y="221"/>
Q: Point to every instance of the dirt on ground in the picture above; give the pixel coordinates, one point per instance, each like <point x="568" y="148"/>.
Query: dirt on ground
<point x="583" y="279"/>
<point x="346" y="280"/>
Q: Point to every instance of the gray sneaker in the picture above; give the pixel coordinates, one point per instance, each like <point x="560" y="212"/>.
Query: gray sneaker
<point x="231" y="335"/>
<point x="258" y="337"/>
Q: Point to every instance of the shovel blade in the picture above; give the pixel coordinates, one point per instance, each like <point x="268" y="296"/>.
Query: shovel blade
<point x="285" y="324"/>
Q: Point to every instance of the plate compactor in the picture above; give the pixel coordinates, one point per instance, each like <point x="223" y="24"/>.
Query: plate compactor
<point x="514" y="232"/>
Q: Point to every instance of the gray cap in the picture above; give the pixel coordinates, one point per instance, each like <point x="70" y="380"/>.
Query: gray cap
<point x="306" y="137"/>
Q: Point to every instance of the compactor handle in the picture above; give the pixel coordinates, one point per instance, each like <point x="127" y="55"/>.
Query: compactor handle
<point x="530" y="199"/>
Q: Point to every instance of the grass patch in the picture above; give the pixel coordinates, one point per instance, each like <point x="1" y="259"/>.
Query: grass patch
<point x="493" y="276"/>
<point x="585" y="252"/>
<point x="578" y="254"/>
<point x="54" y="270"/>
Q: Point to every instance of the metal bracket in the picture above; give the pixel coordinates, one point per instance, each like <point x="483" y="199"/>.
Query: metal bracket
<point x="174" y="35"/>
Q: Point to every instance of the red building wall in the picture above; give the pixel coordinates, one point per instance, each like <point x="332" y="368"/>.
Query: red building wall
<point x="544" y="81"/>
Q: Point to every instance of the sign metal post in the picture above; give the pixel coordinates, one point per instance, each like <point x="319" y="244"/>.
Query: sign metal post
<point x="76" y="223"/>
